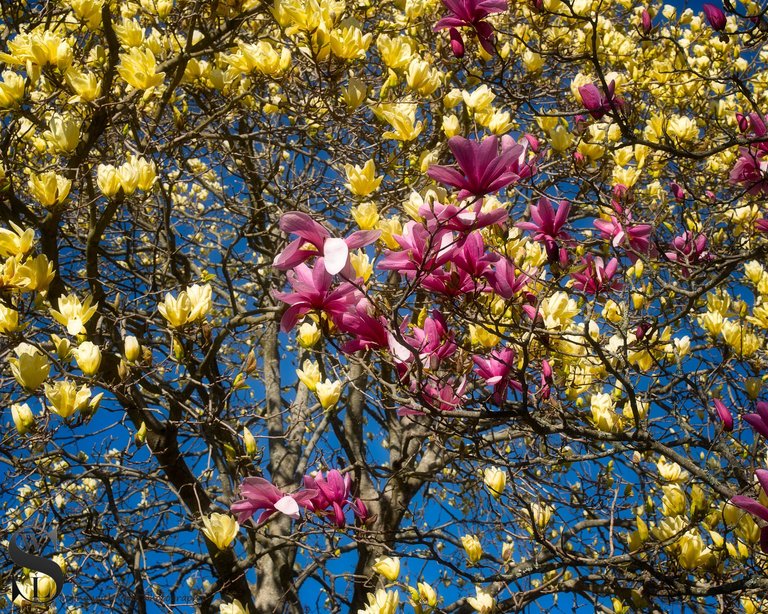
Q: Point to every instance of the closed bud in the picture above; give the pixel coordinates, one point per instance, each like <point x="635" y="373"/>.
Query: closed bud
<point x="23" y="419"/>
<point x="249" y="441"/>
<point x="141" y="434"/>
<point x="132" y="348"/>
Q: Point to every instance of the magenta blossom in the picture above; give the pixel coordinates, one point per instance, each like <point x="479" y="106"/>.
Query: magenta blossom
<point x="759" y="421"/>
<point x="761" y="225"/>
<point x="757" y="509"/>
<point x="331" y="491"/>
<point x="362" y="514"/>
<point x="724" y="414"/>
<point x="312" y="292"/>
<point x="689" y="250"/>
<point x="596" y="276"/>
<point x="334" y="251"/>
<point x="496" y="370"/>
<point x="437" y="395"/>
<point x="751" y="171"/>
<point x="646" y="21"/>
<point x="637" y="237"/>
<point x="520" y="165"/>
<point x="470" y="13"/>
<point x="506" y="280"/>
<point x="433" y="343"/>
<point x="483" y="169"/>
<point x="260" y="494"/>
<point x="546" y="379"/>
<point x="472" y="257"/>
<point x="421" y="250"/>
<point x="462" y="218"/>
<point x="368" y="332"/>
<point x="597" y="103"/>
<point x="547" y="224"/>
<point x="453" y="282"/>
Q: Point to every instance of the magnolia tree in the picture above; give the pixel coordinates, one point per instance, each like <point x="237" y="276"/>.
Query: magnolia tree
<point x="326" y="306"/>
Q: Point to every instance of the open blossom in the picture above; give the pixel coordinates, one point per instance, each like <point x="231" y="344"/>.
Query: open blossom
<point x="260" y="494"/>
<point x="598" y="103"/>
<point x="756" y="508"/>
<point x="334" y="251"/>
<point x="421" y="250"/>
<point x="312" y="292"/>
<point x="547" y="224"/>
<point x="470" y="13"/>
<point x="496" y="370"/>
<point x="751" y="171"/>
<point x="368" y="332"/>
<point x="483" y="169"/>
<point x="460" y="218"/>
<point x="689" y="250"/>
<point x="331" y="491"/>
<point x="596" y="275"/>
<point x="636" y="238"/>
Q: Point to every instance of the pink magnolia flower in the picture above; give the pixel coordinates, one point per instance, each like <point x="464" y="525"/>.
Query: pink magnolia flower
<point x="362" y="514"/>
<point x="596" y="275"/>
<point x="462" y="218"/>
<point x="437" y="395"/>
<point x="335" y="251"/>
<point x="715" y="17"/>
<point x="496" y="370"/>
<point x="470" y="13"/>
<point x="483" y="169"/>
<point x="724" y="414"/>
<point x="759" y="421"/>
<point x="260" y="494"/>
<point x="312" y="292"/>
<point x="751" y="171"/>
<point x="757" y="509"/>
<point x="646" y="21"/>
<point x="472" y="257"/>
<point x="433" y="343"/>
<point x="520" y="165"/>
<point x="453" y="282"/>
<point x="597" y="103"/>
<point x="368" y="332"/>
<point x="635" y="237"/>
<point x="506" y="280"/>
<point x="546" y="379"/>
<point x="331" y="491"/>
<point x="761" y="225"/>
<point x="547" y="224"/>
<point x="689" y="251"/>
<point x="422" y="250"/>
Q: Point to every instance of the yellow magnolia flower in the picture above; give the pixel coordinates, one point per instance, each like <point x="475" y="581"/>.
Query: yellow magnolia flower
<point x="176" y="310"/>
<point x="108" y="180"/>
<point x="139" y="69"/>
<point x="73" y="314"/>
<point x="221" y="529"/>
<point x="354" y="93"/>
<point x="66" y="398"/>
<point x="381" y="602"/>
<point x="63" y="347"/>
<point x="603" y="415"/>
<point x="540" y="515"/>
<point x="310" y="374"/>
<point x="30" y="367"/>
<point x="671" y="471"/>
<point x="483" y="602"/>
<point x="9" y="320"/>
<point x="674" y="501"/>
<point x="402" y="118"/>
<point x="472" y="547"/>
<point x="85" y="84"/>
<point x="261" y="56"/>
<point x="23" y="419"/>
<point x="495" y="479"/>
<point x="249" y="441"/>
<point x="36" y="273"/>
<point x="200" y="300"/>
<point x="348" y="41"/>
<point x="16" y="242"/>
<point x="366" y="215"/>
<point x="427" y="594"/>
<point x="558" y="310"/>
<point x="88" y="357"/>
<point x="11" y="89"/>
<point x="328" y="393"/>
<point x="389" y="567"/>
<point x="693" y="552"/>
<point x="451" y="125"/>
<point x="395" y="51"/>
<point x="129" y="177"/>
<point x="362" y="264"/>
<point x="361" y="181"/>
<point x="389" y="228"/>
<point x="64" y="132"/>
<point x="132" y="348"/>
<point x="49" y="188"/>
<point x="479" y="100"/>
<point x="232" y="608"/>
<point x="421" y="77"/>
<point x="308" y="334"/>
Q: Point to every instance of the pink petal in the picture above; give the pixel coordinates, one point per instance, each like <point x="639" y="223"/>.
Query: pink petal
<point x="288" y="506"/>
<point x="748" y="504"/>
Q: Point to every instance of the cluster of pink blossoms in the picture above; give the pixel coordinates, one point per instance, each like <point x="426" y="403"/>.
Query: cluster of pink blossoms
<point x="326" y="496"/>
